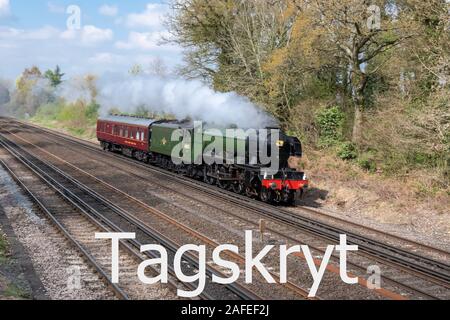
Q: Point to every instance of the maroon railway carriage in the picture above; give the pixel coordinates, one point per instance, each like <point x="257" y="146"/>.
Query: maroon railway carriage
<point x="116" y="132"/>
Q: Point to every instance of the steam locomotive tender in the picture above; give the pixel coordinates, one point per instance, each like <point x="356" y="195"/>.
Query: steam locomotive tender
<point x="150" y="141"/>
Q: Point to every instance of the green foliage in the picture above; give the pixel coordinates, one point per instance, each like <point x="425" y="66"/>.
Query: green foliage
<point x="330" y="122"/>
<point x="367" y="162"/>
<point x="48" y="111"/>
<point x="347" y="151"/>
<point x="14" y="291"/>
<point x="3" y="245"/>
<point x="136" y="70"/>
<point x="142" y="111"/>
<point x="78" y="118"/>
<point x="69" y="112"/>
<point x="4" y="250"/>
<point x="91" y="112"/>
<point x="55" y="77"/>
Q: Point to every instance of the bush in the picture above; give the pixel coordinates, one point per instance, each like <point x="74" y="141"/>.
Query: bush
<point x="367" y="160"/>
<point x="92" y="111"/>
<point x="48" y="111"/>
<point x="367" y="164"/>
<point x="347" y="151"/>
<point x="330" y="122"/>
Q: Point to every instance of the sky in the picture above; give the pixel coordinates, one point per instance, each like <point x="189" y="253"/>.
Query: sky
<point x="83" y="36"/>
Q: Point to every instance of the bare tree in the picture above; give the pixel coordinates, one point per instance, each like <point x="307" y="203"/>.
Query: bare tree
<point x="364" y="34"/>
<point x="227" y="42"/>
<point x="158" y="67"/>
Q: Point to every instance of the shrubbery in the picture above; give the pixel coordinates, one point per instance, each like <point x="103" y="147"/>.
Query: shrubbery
<point x="330" y="122"/>
<point x="347" y="151"/>
<point x="77" y="117"/>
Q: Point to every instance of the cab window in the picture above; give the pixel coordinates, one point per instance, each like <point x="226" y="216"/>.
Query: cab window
<point x="297" y="149"/>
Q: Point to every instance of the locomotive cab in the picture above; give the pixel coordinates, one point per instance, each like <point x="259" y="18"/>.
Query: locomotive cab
<point x="295" y="153"/>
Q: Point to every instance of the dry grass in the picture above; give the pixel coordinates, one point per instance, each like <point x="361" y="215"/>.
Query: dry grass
<point x="87" y="132"/>
<point x="391" y="200"/>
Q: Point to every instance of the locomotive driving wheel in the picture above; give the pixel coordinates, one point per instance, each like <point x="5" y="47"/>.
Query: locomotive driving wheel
<point x="266" y="195"/>
<point x="190" y="171"/>
<point x="277" y="197"/>
<point x="210" y="180"/>
<point x="223" y="184"/>
<point x="238" y="187"/>
<point x="207" y="176"/>
<point x="289" y="197"/>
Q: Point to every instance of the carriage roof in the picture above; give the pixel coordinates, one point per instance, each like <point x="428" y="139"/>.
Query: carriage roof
<point x="135" y="121"/>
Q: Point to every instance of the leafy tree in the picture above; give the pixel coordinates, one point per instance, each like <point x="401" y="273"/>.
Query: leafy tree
<point x="28" y="78"/>
<point x="55" y="77"/>
<point x="136" y="70"/>
<point x="158" y="67"/>
<point x="31" y="92"/>
<point x="362" y="37"/>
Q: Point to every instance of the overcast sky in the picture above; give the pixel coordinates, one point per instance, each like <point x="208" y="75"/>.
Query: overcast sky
<point x="113" y="35"/>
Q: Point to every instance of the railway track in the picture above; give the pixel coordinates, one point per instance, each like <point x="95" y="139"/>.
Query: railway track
<point x="61" y="215"/>
<point x="392" y="254"/>
<point x="137" y="208"/>
<point x="396" y="257"/>
<point x="108" y="217"/>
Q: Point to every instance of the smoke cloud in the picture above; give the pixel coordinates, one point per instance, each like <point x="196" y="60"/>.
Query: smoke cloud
<point x="4" y="94"/>
<point x="181" y="98"/>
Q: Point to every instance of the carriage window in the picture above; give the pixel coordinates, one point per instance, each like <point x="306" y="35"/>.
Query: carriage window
<point x="126" y="133"/>
<point x="138" y="136"/>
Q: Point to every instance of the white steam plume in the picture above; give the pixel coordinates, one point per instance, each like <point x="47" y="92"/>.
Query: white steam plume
<point x="181" y="98"/>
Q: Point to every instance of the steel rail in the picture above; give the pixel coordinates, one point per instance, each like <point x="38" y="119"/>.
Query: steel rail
<point x="87" y="256"/>
<point x="291" y="286"/>
<point x="236" y="289"/>
<point x="391" y="254"/>
<point x="203" y="238"/>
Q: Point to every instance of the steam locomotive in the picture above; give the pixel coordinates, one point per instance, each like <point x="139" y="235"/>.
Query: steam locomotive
<point x="152" y="141"/>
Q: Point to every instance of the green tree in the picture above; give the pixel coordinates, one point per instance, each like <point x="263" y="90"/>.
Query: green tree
<point x="136" y="70"/>
<point x="30" y="93"/>
<point x="54" y="76"/>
